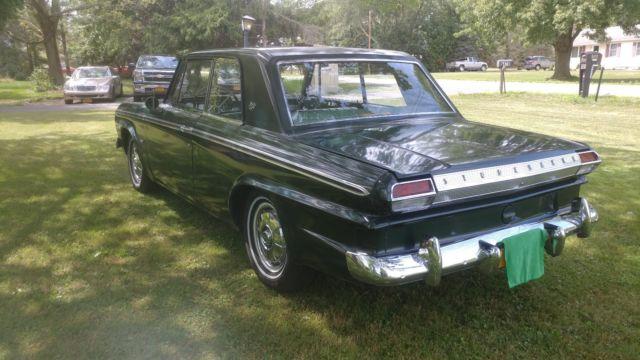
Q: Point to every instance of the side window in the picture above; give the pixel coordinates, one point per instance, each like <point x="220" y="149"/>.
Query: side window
<point x="226" y="89"/>
<point x="194" y="85"/>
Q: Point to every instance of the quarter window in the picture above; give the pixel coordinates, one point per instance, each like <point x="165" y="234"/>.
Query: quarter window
<point x="226" y="89"/>
<point x="194" y="86"/>
<point x="636" y="48"/>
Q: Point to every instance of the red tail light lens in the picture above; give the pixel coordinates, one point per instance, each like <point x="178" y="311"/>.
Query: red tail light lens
<point x="590" y="161"/>
<point x="588" y="156"/>
<point x="412" y="189"/>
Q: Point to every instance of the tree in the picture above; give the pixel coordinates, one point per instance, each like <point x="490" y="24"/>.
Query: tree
<point x="9" y="10"/>
<point x="552" y="22"/>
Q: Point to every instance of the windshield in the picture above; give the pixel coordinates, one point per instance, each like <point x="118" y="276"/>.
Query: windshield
<point x="318" y="92"/>
<point x="84" y="73"/>
<point x="157" y="62"/>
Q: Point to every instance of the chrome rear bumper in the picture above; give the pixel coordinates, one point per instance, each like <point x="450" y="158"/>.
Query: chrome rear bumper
<point x="432" y="261"/>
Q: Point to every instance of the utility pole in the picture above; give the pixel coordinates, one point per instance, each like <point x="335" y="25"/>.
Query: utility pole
<point x="369" y="29"/>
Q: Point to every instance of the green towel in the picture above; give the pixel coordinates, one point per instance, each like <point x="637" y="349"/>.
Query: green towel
<point x="524" y="255"/>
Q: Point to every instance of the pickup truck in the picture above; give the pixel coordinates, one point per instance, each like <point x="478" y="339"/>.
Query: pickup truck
<point x="467" y="64"/>
<point x="152" y="74"/>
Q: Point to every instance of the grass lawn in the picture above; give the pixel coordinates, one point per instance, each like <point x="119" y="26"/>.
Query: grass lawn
<point x="89" y="268"/>
<point x="14" y="92"/>
<point x="609" y="76"/>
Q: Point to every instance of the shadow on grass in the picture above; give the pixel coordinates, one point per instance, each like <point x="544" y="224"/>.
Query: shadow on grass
<point x="91" y="269"/>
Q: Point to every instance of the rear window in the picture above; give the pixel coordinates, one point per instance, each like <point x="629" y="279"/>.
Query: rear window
<point x="318" y="92"/>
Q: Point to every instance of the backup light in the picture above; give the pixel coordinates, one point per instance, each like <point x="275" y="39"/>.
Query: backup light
<point x="412" y="195"/>
<point x="589" y="161"/>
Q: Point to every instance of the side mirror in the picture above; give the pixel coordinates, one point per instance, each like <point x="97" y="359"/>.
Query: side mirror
<point x="152" y="103"/>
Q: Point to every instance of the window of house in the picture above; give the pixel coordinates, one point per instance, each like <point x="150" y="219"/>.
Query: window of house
<point x="194" y="85"/>
<point x="636" y="48"/>
<point x="226" y="89"/>
<point x="613" y="50"/>
<point x="574" y="51"/>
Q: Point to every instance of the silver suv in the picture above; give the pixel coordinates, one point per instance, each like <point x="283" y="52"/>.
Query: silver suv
<point x="538" y="62"/>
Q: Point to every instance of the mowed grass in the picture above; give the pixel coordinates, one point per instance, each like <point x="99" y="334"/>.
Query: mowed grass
<point x="17" y="92"/>
<point x="609" y="76"/>
<point x="89" y="268"/>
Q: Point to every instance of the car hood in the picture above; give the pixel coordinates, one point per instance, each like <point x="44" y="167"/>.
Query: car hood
<point x="90" y="81"/>
<point x="426" y="145"/>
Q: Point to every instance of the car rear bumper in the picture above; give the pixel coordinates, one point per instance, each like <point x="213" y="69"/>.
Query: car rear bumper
<point x="147" y="88"/>
<point x="432" y="261"/>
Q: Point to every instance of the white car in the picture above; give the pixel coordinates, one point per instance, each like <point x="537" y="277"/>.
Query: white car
<point x="467" y="64"/>
<point x="92" y="82"/>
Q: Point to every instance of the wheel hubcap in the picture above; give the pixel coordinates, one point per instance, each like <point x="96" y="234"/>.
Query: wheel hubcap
<point x="135" y="165"/>
<point x="268" y="239"/>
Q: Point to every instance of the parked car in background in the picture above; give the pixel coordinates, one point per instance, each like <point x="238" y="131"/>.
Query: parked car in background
<point x="538" y="62"/>
<point x="467" y="64"/>
<point x="352" y="162"/>
<point x="92" y="82"/>
<point x="152" y="74"/>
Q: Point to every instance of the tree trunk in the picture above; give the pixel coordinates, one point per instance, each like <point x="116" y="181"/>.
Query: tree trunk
<point x="48" y="15"/>
<point x="53" y="56"/>
<point x="65" y="53"/>
<point x="562" y="46"/>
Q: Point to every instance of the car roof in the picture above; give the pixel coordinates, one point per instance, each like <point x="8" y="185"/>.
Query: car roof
<point x="304" y="51"/>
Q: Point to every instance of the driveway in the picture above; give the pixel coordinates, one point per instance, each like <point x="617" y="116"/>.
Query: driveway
<point x="59" y="105"/>
<point x="454" y="87"/>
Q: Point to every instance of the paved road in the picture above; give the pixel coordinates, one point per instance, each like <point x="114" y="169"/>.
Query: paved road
<point x="454" y="87"/>
<point x="451" y="87"/>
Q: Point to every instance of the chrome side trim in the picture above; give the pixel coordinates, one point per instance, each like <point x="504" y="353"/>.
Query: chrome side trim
<point x="262" y="155"/>
<point x="480" y="250"/>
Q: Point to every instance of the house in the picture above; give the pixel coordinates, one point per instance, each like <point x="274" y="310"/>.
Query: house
<point x="619" y="50"/>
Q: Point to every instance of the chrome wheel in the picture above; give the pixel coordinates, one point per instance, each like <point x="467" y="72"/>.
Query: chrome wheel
<point x="267" y="238"/>
<point x="135" y="164"/>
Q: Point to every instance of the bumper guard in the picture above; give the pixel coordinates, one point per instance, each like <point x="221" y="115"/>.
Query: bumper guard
<point x="432" y="261"/>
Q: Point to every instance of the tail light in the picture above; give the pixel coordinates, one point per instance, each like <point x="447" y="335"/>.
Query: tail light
<point x="412" y="195"/>
<point x="589" y="161"/>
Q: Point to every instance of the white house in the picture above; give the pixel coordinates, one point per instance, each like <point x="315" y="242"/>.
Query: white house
<point x="619" y="50"/>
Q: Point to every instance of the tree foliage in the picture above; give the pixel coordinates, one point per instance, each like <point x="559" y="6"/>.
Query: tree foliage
<point x="552" y="22"/>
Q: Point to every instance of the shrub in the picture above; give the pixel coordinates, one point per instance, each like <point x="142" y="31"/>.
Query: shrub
<point x="41" y="81"/>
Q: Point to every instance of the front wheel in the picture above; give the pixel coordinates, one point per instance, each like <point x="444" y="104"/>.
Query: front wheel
<point x="138" y="174"/>
<point x="538" y="67"/>
<point x="266" y="242"/>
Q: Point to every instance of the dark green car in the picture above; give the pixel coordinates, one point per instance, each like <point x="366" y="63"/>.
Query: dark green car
<point x="351" y="162"/>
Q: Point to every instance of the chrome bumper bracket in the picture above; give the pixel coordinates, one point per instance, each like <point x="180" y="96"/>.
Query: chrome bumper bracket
<point x="432" y="260"/>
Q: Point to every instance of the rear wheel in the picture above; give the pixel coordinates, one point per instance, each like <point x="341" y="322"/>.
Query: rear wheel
<point x="484" y="68"/>
<point x="538" y="67"/>
<point x="267" y="247"/>
<point x="461" y="68"/>
<point x="138" y="174"/>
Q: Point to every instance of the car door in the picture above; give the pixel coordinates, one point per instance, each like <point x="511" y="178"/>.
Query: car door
<point x="169" y="143"/>
<point x="216" y="164"/>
